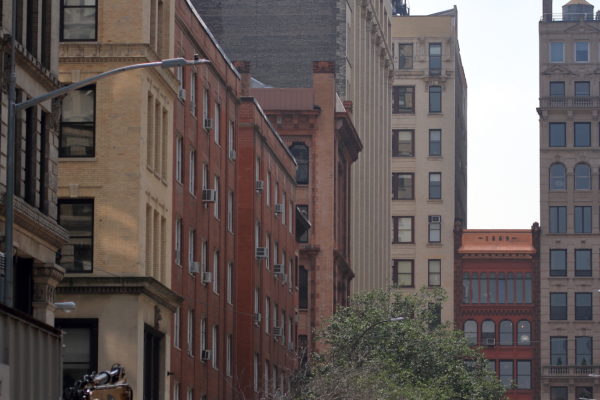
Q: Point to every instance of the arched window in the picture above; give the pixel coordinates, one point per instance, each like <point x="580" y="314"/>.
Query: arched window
<point x="488" y="332"/>
<point x="470" y="329"/>
<point x="558" y="175"/>
<point x="583" y="177"/>
<point x="300" y="153"/>
<point x="506" y="333"/>
<point x="524" y="333"/>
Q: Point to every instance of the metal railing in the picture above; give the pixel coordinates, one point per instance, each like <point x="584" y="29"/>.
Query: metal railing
<point x="571" y="370"/>
<point x="569" y="17"/>
<point x="30" y="357"/>
<point x="570" y="102"/>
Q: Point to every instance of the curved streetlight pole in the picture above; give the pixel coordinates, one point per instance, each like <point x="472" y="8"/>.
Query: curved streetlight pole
<point x="14" y="107"/>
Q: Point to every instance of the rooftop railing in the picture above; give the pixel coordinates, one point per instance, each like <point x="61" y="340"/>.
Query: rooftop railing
<point x="570" y="17"/>
<point x="571" y="370"/>
<point x="570" y="102"/>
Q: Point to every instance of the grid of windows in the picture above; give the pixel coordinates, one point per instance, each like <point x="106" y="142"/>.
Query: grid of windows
<point x="501" y="288"/>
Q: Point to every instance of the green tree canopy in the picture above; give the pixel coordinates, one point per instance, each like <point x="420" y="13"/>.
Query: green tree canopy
<point x="417" y="358"/>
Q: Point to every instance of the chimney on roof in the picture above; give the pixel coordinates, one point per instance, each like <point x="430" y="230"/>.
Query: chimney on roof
<point x="243" y="68"/>
<point x="547" y="10"/>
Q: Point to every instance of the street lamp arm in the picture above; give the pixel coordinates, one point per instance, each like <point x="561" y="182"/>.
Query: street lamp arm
<point x="168" y="63"/>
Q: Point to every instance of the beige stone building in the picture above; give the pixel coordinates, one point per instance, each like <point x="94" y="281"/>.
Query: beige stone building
<point x="569" y="201"/>
<point x="115" y="191"/>
<point x="429" y="151"/>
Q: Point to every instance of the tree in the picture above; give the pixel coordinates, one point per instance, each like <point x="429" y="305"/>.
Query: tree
<point x="417" y="358"/>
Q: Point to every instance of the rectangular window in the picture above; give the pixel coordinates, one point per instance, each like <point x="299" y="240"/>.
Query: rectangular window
<point x="230" y="139"/>
<point x="583" y="306"/>
<point x="558" y="219"/>
<point x="193" y="102"/>
<point x="215" y="347"/>
<point x="506" y="373"/>
<point x="302" y="233"/>
<point x="217" y="123"/>
<point x="405" y="56"/>
<point x="582" y="89"/>
<point x="523" y="374"/>
<point x="215" y="277"/>
<point x="230" y="283"/>
<point x="78" y="123"/>
<point x="192" y="182"/>
<point x="435" y="185"/>
<point x="557" y="134"/>
<point x="403" y="186"/>
<point x="435" y="229"/>
<point x="77" y="217"/>
<point x="217" y="189"/>
<point x="267" y="314"/>
<point x="435" y="58"/>
<point x="228" y="355"/>
<point x="435" y="99"/>
<point x="176" y="327"/>
<point x="557" y="52"/>
<point x="402" y="229"/>
<point x="558" y="350"/>
<point x="558" y="262"/>
<point x="557" y="89"/>
<point x="583" y="350"/>
<point x="403" y="273"/>
<point x="178" y="239"/>
<point x="582" y="51"/>
<point x="583" y="262"/>
<point x="558" y="306"/>
<point x="435" y="272"/>
<point x="583" y="219"/>
<point x="190" y="332"/>
<point x="584" y="392"/>
<point x="78" y="20"/>
<point x="403" y="100"/>
<point x="583" y="135"/>
<point x="203" y="341"/>
<point x="256" y="372"/>
<point x="191" y="249"/>
<point x="79" y="348"/>
<point x="205" y="105"/>
<point x="179" y="159"/>
<point x="230" y="211"/>
<point x="403" y="144"/>
<point x="559" y="393"/>
<point x="435" y="142"/>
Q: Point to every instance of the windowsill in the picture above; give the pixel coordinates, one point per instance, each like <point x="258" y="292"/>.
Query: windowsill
<point x="435" y="201"/>
<point x="77" y="159"/>
<point x="435" y="158"/>
<point x="429" y="244"/>
<point x="403" y="199"/>
<point x="435" y="114"/>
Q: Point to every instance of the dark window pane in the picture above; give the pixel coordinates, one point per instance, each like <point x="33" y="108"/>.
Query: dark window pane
<point x="466" y="289"/>
<point x="403" y="99"/>
<point x="78" y="123"/>
<point x="558" y="350"/>
<point x="584" y="392"/>
<point x="302" y="288"/>
<point x="80" y="348"/>
<point x="558" y="219"/>
<point x="558" y="262"/>
<point x="77" y="217"/>
<point x="435" y="58"/>
<point x="403" y="143"/>
<point x="558" y="306"/>
<point x="582" y="134"/>
<point x="435" y="185"/>
<point x="582" y="89"/>
<point x="581" y="51"/>
<point x="79" y="20"/>
<point x="524" y="333"/>
<point x="301" y="154"/>
<point x="557" y="89"/>
<point x="583" y="350"/>
<point x="435" y="142"/>
<point x="510" y="289"/>
<point x="523" y="374"/>
<point x="488" y="331"/>
<point x="470" y="329"/>
<point x="402" y="186"/>
<point x="583" y="306"/>
<point x="583" y="219"/>
<point x="559" y="393"/>
<point x="558" y="136"/>
<point x="435" y="99"/>
<point x="528" y="288"/>
<point x="475" y="289"/>
<point x="506" y="373"/>
<point x="405" y="56"/>
<point x="583" y="177"/>
<point x="583" y="262"/>
<point x="557" y="52"/>
<point x="558" y="175"/>
<point x="492" y="288"/>
<point x="501" y="289"/>
<point x="506" y="333"/>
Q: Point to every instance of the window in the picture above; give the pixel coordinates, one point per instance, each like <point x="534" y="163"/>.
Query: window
<point x="557" y="52"/>
<point x="403" y="273"/>
<point x="176" y="327"/>
<point x="191" y="249"/>
<point x="488" y="331"/>
<point x="559" y="393"/>
<point x="584" y="392"/>
<point x="302" y="155"/>
<point x="267" y="314"/>
<point x="583" y="306"/>
<point x="557" y="89"/>
<point x="215" y="277"/>
<point x="582" y="134"/>
<point x="435" y="272"/>
<point x="216" y="205"/>
<point x="558" y="306"/>
<point x="583" y="219"/>
<point x="470" y="329"/>
<point x="491" y="365"/>
<point x="528" y="288"/>
<point x="230" y="283"/>
<point x="506" y="333"/>
<point x="524" y="333"/>
<point x="204" y="256"/>
<point x="435" y="58"/>
<point x="558" y="350"/>
<point x="190" y="332"/>
<point x="193" y="102"/>
<point x="179" y="160"/>
<point x="582" y="89"/>
<point x="435" y="142"/>
<point x="506" y="373"/>
<point x="558" y="262"/>
<point x="230" y="138"/>
<point x="302" y="288"/>
<point x="190" y="394"/>
<point x="80" y="348"/>
<point x="582" y="51"/>
<point x="405" y="56"/>
<point x="256" y="372"/>
<point x="583" y="350"/>
<point x="204" y="176"/>
<point x="558" y="177"/>
<point x="78" y="123"/>
<point x="203" y="341"/>
<point x="230" y="211"/>
<point x="176" y="391"/>
<point x="215" y="347"/>
<point x="403" y="144"/>
<point x="178" y="238"/>
<point x="583" y="177"/>
<point x="267" y="371"/>
<point x="192" y="182"/>
<point x="77" y="217"/>
<point x="435" y="185"/>
<point x="402" y="229"/>
<point x="435" y="229"/>
<point x="583" y="262"/>
<point x="228" y="355"/>
<point x="558" y="219"/>
<point x="403" y="186"/>
<point x="78" y="20"/>
<point x="492" y="289"/>
<point x="301" y="233"/>
<point x="403" y="100"/>
<point x="558" y="135"/>
<point x="435" y="99"/>
<point x="523" y="374"/>
<point x="217" y="124"/>
<point x="205" y="105"/>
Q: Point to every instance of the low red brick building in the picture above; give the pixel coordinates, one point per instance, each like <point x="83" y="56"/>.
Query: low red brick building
<point x="497" y="304"/>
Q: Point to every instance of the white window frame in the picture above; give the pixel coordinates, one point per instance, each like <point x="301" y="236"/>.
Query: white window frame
<point x="190" y="394"/>
<point x="205" y="176"/>
<point x="230" y="136"/>
<point x="256" y="300"/>
<point x="268" y="196"/>
<point x="176" y="391"/>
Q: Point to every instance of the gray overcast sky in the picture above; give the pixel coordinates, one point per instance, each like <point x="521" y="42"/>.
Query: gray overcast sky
<point x="499" y="49"/>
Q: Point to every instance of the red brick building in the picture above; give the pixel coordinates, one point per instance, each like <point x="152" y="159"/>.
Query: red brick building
<point x="204" y="264"/>
<point x="497" y="304"/>
<point x="317" y="128"/>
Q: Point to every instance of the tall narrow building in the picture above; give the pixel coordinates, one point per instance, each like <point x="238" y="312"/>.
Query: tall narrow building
<point x="281" y="39"/>
<point x="569" y="203"/>
<point x="429" y="151"/>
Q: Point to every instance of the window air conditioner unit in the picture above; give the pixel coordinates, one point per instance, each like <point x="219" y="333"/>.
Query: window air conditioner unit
<point x="181" y="93"/>
<point x="260" y="185"/>
<point x="277" y="331"/>
<point x="195" y="267"/>
<point x="205" y="355"/>
<point x="489" y="342"/>
<point x="262" y="252"/>
<point x="209" y="195"/>
<point x="232" y="155"/>
<point x="206" y="277"/>
<point x="278" y="208"/>
<point x="257" y="318"/>
<point x="435" y="219"/>
<point x="208" y="124"/>
<point x="278" y="269"/>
